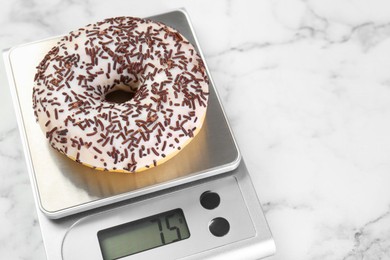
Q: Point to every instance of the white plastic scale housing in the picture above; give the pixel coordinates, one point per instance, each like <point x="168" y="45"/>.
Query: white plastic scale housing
<point x="76" y="202"/>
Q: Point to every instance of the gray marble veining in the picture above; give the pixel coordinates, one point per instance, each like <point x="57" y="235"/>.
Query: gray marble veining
<point x="306" y="87"/>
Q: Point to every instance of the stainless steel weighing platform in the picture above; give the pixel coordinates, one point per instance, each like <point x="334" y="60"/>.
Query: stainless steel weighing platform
<point x="76" y="203"/>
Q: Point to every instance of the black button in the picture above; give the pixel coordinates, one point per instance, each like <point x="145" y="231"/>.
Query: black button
<point x="219" y="227"/>
<point x="210" y="200"/>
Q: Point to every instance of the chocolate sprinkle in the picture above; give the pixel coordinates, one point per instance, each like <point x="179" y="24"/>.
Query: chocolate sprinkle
<point x="165" y="75"/>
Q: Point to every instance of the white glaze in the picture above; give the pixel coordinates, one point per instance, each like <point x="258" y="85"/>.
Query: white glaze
<point x="152" y="60"/>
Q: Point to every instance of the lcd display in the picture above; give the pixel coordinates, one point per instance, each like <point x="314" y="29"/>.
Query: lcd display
<point x="143" y="234"/>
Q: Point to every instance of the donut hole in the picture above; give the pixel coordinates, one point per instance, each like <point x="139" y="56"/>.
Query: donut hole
<point x="119" y="96"/>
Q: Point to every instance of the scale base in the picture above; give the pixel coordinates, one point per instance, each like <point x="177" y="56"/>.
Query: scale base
<point x="249" y="236"/>
<point x="68" y="225"/>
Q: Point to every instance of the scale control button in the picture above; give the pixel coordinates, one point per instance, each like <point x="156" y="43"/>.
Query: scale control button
<point x="219" y="227"/>
<point x="210" y="200"/>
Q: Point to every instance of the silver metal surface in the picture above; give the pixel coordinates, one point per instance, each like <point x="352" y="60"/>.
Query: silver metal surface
<point x="65" y="187"/>
<point x="65" y="237"/>
<point x="254" y="243"/>
<point x="232" y="208"/>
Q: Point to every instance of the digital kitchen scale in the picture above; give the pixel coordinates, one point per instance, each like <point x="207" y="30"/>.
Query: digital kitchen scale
<point x="199" y="205"/>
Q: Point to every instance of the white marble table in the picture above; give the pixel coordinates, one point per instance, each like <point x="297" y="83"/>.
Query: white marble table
<point x="306" y="85"/>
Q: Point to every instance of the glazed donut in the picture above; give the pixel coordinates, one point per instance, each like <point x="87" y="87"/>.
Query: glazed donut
<point x="150" y="60"/>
